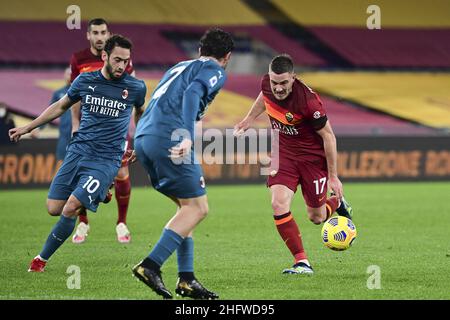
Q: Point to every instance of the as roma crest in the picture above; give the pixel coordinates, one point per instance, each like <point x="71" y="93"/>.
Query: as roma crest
<point x="289" y="116"/>
<point x="124" y="94"/>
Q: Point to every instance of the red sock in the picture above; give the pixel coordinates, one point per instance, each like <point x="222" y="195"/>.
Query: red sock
<point x="332" y="204"/>
<point x="83" y="216"/>
<point x="289" y="232"/>
<point x="123" y="190"/>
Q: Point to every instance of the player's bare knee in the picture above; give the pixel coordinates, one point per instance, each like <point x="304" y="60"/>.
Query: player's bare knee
<point x="71" y="209"/>
<point x="53" y="209"/>
<point x="203" y="210"/>
<point x="280" y="205"/>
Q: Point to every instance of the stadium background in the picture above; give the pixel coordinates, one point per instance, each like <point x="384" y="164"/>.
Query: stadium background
<point x="387" y="92"/>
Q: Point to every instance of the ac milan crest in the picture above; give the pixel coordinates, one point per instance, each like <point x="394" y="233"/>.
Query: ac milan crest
<point x="124" y="94"/>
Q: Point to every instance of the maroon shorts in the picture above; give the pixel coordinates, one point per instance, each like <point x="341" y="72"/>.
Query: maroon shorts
<point x="127" y="147"/>
<point x="312" y="176"/>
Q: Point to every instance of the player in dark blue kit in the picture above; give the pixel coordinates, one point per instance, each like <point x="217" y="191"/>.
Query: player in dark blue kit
<point x="95" y="152"/>
<point x="163" y="139"/>
<point x="65" y="121"/>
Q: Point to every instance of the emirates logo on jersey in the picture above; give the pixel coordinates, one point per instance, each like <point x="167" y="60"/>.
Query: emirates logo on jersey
<point x="124" y="94"/>
<point x="289" y="117"/>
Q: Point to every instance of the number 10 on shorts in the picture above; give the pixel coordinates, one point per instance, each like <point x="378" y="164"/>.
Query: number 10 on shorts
<point x="91" y="185"/>
<point x="320" y="185"/>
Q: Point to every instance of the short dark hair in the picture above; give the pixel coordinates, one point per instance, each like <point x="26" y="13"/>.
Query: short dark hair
<point x="96" y="22"/>
<point x="117" y="40"/>
<point x="281" y="64"/>
<point x="216" y="43"/>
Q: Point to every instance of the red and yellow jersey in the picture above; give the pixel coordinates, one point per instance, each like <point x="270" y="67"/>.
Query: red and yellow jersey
<point x="296" y="118"/>
<point x="86" y="61"/>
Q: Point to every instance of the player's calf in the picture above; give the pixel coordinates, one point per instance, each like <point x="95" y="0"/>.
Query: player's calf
<point x="316" y="220"/>
<point x="316" y="215"/>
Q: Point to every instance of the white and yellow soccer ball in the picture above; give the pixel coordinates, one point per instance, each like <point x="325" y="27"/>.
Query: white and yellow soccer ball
<point x="338" y="233"/>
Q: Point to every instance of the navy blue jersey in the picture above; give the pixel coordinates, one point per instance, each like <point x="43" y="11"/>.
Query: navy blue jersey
<point x="164" y="113"/>
<point x="106" y="107"/>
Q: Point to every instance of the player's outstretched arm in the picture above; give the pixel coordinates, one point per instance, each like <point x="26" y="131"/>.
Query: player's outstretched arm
<point x="329" y="144"/>
<point x="75" y="111"/>
<point x="52" y="112"/>
<point x="257" y="108"/>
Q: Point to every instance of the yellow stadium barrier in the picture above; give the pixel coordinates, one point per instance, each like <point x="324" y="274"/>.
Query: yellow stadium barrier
<point x="419" y="97"/>
<point x="352" y="13"/>
<point x="194" y="12"/>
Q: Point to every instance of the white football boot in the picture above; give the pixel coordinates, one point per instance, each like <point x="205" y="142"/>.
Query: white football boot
<point x="299" y="268"/>
<point x="123" y="234"/>
<point x="81" y="233"/>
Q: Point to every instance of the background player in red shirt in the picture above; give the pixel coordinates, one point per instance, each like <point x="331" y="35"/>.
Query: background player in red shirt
<point x="89" y="60"/>
<point x="307" y="155"/>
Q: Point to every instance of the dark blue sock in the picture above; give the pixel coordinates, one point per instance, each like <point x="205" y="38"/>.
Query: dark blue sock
<point x="60" y="232"/>
<point x="167" y="244"/>
<point x="185" y="253"/>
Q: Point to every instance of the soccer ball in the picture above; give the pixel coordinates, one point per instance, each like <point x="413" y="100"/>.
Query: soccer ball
<point x="338" y="233"/>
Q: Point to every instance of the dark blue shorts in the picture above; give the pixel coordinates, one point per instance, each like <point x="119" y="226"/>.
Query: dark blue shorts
<point x="87" y="178"/>
<point x="174" y="180"/>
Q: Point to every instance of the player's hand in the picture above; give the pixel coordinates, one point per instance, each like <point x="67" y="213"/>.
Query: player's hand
<point x="129" y="157"/>
<point x="181" y="150"/>
<point x="335" y="184"/>
<point x="241" y="127"/>
<point x="16" y="133"/>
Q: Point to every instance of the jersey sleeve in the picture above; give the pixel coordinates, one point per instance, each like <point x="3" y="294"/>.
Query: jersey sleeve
<point x="316" y="114"/>
<point x="141" y="96"/>
<point x="75" y="89"/>
<point x="75" y="72"/>
<point x="212" y="77"/>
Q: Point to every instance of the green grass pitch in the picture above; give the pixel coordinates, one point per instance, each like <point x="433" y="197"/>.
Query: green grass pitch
<point x="402" y="228"/>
